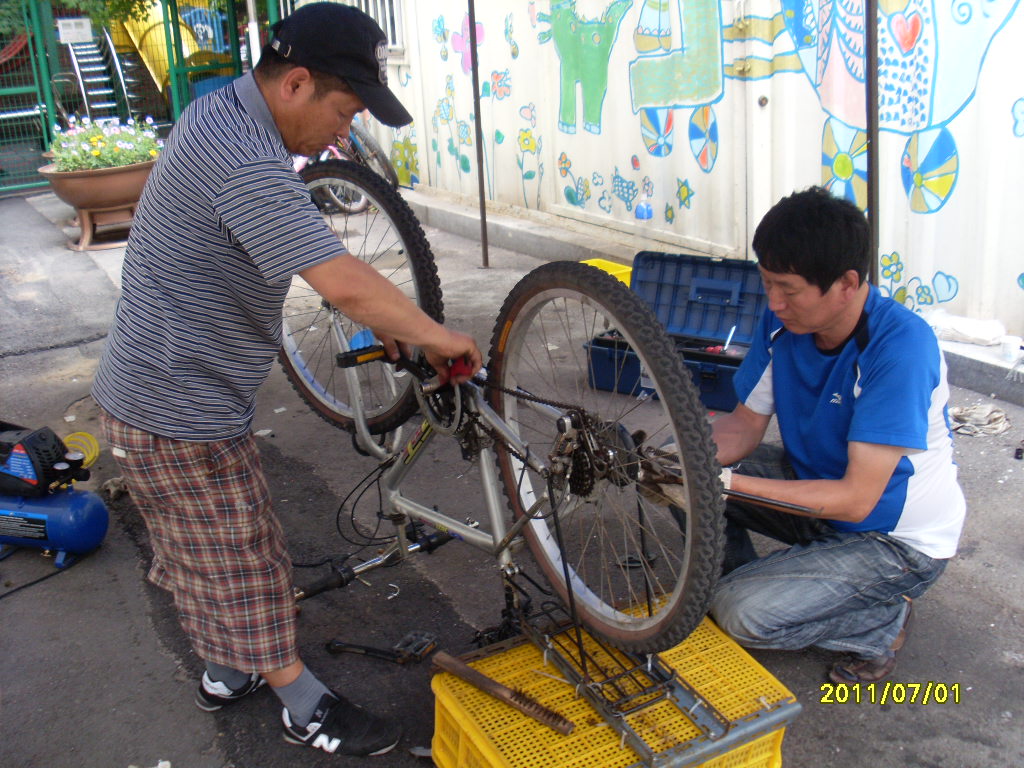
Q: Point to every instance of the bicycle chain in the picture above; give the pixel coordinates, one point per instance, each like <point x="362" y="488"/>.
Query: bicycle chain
<point x="521" y="395"/>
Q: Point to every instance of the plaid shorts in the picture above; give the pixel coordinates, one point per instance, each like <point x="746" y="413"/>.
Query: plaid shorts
<point x="217" y="546"/>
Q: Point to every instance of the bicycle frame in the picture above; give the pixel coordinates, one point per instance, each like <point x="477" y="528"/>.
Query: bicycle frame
<point x="498" y="538"/>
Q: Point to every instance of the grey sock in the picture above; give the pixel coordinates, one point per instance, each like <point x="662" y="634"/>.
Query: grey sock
<point x="301" y="696"/>
<point x="231" y="677"/>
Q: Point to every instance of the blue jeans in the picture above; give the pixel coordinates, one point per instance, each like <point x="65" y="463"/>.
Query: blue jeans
<point x="840" y="591"/>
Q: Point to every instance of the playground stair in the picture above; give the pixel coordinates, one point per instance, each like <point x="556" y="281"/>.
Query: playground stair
<point x="107" y="83"/>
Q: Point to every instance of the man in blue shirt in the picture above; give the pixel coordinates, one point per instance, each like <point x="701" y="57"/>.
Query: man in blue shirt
<point x="858" y="385"/>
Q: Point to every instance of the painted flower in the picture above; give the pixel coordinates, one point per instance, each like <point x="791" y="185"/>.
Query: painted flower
<point x="529" y="113"/>
<point x="460" y="43"/>
<point x="512" y="44"/>
<point x="924" y="295"/>
<point x="583" y="188"/>
<point x="440" y="30"/>
<point x="444" y="110"/>
<point x="501" y="84"/>
<point x="527" y="141"/>
<point x="464" y="136"/>
<point x="892" y="267"/>
<point x="564" y="164"/>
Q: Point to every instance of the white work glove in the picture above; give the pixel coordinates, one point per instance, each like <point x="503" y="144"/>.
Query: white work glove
<point x="726" y="477"/>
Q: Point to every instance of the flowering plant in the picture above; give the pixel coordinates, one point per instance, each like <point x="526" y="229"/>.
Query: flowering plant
<point x="106" y="144"/>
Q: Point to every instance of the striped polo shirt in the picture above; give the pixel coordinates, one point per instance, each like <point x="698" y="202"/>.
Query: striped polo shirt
<point x="223" y="225"/>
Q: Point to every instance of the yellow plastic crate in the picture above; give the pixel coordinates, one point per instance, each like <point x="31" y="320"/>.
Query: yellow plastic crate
<point x="613" y="268"/>
<point x="474" y="730"/>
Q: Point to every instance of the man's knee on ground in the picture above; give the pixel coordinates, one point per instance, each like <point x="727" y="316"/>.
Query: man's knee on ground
<point x="744" y="616"/>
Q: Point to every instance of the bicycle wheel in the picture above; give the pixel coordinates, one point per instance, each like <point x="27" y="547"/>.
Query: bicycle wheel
<point x="633" y="520"/>
<point x="373" y="155"/>
<point x="388" y="236"/>
<point x="332" y="198"/>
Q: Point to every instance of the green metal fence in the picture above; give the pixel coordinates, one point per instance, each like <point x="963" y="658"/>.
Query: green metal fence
<point x="25" y="107"/>
<point x="151" y="67"/>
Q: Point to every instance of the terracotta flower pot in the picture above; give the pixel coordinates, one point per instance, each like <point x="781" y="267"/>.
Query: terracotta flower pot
<point x="99" y="187"/>
<point x="101" y="197"/>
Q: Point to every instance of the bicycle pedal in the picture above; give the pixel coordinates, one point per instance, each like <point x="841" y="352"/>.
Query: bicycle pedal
<point x="360" y="356"/>
<point x="416" y="645"/>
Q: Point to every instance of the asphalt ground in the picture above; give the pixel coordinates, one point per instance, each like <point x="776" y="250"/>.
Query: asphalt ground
<point x="96" y="672"/>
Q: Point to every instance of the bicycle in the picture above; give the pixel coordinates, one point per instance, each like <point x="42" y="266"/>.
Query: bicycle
<point x="614" y="493"/>
<point x="360" y="148"/>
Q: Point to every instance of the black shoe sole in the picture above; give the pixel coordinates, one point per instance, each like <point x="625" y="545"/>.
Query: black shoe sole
<point x="382" y="751"/>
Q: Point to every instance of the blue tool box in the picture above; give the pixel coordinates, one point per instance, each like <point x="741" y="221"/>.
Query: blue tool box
<point x="704" y="303"/>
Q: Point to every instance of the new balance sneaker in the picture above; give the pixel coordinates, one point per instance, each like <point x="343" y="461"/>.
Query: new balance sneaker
<point x="339" y="726"/>
<point x="212" y="695"/>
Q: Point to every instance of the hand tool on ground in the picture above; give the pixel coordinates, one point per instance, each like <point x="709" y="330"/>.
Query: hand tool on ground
<point x="515" y="699"/>
<point x="413" y="647"/>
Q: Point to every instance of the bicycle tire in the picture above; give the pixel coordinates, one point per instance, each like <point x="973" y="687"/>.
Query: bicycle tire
<point x="387" y="235"/>
<point x="373" y="155"/>
<point x="643" y="570"/>
<point x="332" y="199"/>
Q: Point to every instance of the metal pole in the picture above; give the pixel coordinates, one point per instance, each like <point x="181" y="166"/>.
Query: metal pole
<point x="871" y="85"/>
<point x="38" y="46"/>
<point x="254" y="33"/>
<point x="172" y="43"/>
<point x="479" y="133"/>
<point x="233" y="45"/>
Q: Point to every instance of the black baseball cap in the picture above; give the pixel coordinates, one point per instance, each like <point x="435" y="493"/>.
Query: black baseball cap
<point x="342" y="41"/>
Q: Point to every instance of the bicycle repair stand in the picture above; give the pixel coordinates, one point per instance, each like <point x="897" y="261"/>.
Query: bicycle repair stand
<point x="619" y="685"/>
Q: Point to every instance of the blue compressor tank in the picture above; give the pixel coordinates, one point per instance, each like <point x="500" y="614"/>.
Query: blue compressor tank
<point x="70" y="522"/>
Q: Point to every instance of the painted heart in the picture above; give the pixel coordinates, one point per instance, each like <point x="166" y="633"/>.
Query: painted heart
<point x="946" y="286"/>
<point x="906" y="30"/>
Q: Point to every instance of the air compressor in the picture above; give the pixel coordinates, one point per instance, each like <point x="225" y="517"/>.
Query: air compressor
<point x="39" y="505"/>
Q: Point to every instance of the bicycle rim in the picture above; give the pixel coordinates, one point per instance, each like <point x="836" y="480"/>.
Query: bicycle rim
<point x="642" y="566"/>
<point x="332" y="196"/>
<point x="387" y="235"/>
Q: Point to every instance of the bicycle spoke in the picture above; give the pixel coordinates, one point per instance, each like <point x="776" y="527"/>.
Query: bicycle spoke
<point x="385" y="234"/>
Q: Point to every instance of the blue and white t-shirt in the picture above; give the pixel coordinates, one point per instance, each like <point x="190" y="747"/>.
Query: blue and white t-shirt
<point x="223" y="224"/>
<point x="885" y="385"/>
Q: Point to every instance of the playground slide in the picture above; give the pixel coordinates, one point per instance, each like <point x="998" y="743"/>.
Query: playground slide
<point x="147" y="37"/>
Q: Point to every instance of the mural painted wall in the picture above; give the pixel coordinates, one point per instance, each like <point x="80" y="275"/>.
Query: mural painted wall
<point x="683" y="122"/>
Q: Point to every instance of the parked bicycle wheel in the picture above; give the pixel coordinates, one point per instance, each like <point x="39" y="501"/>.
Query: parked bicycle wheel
<point x="372" y="154"/>
<point x="332" y="198"/>
<point x="637" y="504"/>
<point x="387" y="235"/>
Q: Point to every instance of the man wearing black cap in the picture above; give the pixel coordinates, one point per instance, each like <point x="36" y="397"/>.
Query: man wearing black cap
<point x="223" y="225"/>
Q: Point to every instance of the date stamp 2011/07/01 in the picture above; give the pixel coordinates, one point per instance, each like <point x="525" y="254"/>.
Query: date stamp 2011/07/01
<point x="890" y="693"/>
